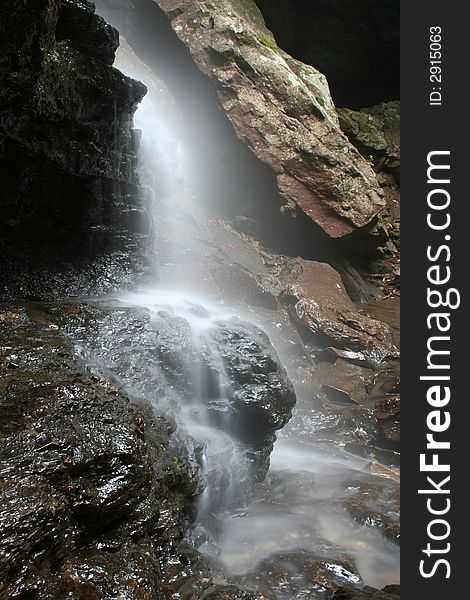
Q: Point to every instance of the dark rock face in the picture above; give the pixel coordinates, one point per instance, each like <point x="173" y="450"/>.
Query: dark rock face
<point x="355" y="43"/>
<point x="70" y="201"/>
<point x="92" y="499"/>
<point x="302" y="574"/>
<point x="390" y="592"/>
<point x="261" y="394"/>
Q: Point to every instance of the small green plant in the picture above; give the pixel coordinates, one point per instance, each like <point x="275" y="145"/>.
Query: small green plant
<point x="193" y="23"/>
<point x="267" y="42"/>
<point x="176" y="461"/>
<point x="320" y="101"/>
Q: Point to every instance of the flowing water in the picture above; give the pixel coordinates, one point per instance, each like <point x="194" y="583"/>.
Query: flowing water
<point x="299" y="506"/>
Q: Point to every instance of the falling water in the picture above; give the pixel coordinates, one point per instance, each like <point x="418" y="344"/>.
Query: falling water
<point x="225" y="465"/>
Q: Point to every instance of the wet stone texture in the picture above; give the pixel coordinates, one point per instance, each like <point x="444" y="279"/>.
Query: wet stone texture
<point x="376" y="504"/>
<point x="88" y="481"/>
<point x="355" y="352"/>
<point x="321" y="306"/>
<point x="72" y="219"/>
<point x="300" y="574"/>
<point x="390" y="592"/>
<point x="156" y="357"/>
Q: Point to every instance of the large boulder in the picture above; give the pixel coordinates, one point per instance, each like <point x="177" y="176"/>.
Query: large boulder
<point x="72" y="217"/>
<point x="321" y="307"/>
<point x="282" y="109"/>
<point x="261" y="396"/>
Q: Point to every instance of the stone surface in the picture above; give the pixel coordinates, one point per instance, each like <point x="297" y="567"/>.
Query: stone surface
<point x="299" y="574"/>
<point x="319" y="304"/>
<point x="375" y="132"/>
<point x="282" y="109"/>
<point x="391" y="592"/>
<point x="91" y="495"/>
<point x="261" y="394"/>
<point x="376" y="505"/>
<point x="342" y="381"/>
<point x="72" y="219"/>
<point x="233" y="369"/>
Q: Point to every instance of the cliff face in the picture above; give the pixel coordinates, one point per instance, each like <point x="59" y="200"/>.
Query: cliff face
<point x="70" y="201"/>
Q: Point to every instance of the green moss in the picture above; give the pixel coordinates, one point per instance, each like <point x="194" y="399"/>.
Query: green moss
<point x="268" y="42"/>
<point x="176" y="461"/>
<point x="193" y="23"/>
<point x="320" y="101"/>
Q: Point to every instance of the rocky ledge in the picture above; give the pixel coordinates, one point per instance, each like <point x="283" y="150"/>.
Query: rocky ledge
<point x="92" y="496"/>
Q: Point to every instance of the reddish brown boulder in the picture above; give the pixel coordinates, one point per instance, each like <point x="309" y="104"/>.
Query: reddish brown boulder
<point x="321" y="306"/>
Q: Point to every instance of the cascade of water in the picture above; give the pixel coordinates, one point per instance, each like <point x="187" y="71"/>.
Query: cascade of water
<point x="165" y="172"/>
<point x="224" y="461"/>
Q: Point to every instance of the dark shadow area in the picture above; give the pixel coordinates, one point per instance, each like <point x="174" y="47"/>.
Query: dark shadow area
<point x="355" y="43"/>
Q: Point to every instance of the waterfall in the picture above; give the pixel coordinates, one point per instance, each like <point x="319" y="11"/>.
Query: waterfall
<point x="299" y="505"/>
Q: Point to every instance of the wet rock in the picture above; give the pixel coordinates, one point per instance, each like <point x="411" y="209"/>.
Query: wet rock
<point x="66" y="132"/>
<point x="368" y="593"/>
<point x="36" y="531"/>
<point x="387" y="408"/>
<point x="262" y="396"/>
<point x="232" y="368"/>
<point x="282" y="109"/>
<point x="376" y="504"/>
<point x="298" y="573"/>
<point x="375" y="132"/>
<point x="332" y="354"/>
<point x="228" y="592"/>
<point x="321" y="307"/>
<point x="238" y="285"/>
<point x="128" y="573"/>
<point x="90" y="491"/>
<point x="189" y="575"/>
<point x="82" y="30"/>
<point x="344" y="382"/>
<point x="357" y="427"/>
<point x="373" y="448"/>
